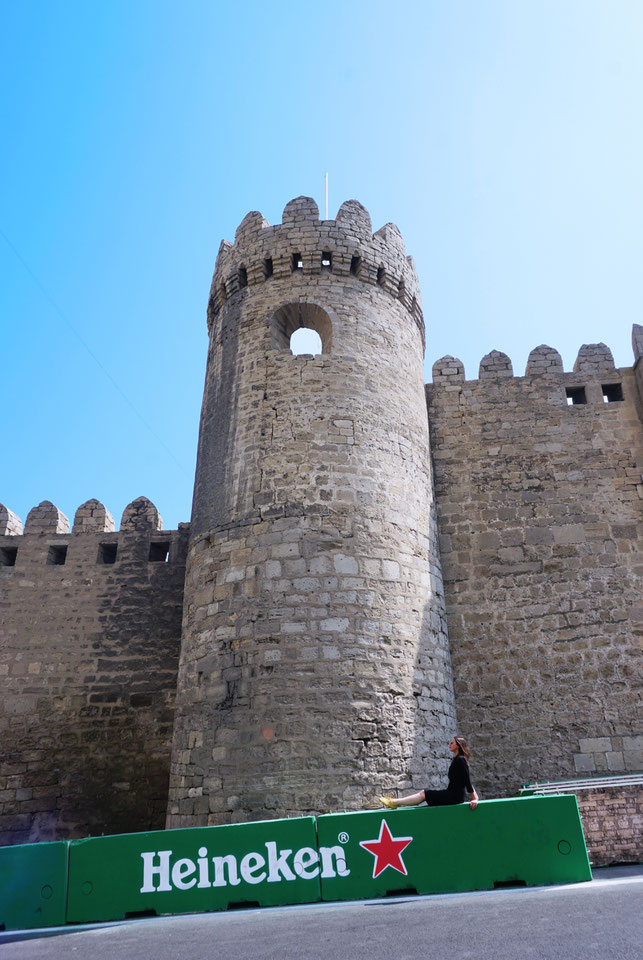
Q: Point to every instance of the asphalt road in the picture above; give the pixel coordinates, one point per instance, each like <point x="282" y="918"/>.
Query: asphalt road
<point x="589" y="921"/>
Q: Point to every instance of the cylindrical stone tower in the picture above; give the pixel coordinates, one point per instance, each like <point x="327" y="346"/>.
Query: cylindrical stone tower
<point x="315" y="669"/>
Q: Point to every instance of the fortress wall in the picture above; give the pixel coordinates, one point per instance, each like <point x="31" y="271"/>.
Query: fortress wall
<point x="88" y="659"/>
<point x="539" y="509"/>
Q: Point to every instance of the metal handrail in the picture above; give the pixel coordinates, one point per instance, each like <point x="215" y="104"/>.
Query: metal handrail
<point x="589" y="783"/>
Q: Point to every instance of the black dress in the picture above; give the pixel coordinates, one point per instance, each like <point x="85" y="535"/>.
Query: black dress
<point x="459" y="781"/>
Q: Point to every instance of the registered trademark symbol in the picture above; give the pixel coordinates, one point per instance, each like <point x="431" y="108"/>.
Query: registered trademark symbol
<point x="343" y="837"/>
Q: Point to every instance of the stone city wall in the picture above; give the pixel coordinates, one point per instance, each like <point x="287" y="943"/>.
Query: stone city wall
<point x="90" y="626"/>
<point x="539" y="496"/>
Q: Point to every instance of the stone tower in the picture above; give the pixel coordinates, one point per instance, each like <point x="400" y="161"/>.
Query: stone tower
<point x="315" y="668"/>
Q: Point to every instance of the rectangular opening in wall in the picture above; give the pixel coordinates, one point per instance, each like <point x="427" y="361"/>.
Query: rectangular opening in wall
<point x="267" y="268"/>
<point x="56" y="555"/>
<point x="160" y="551"/>
<point x="8" y="556"/>
<point x="107" y="552"/>
<point x="327" y="260"/>
<point x="612" y="392"/>
<point x="297" y="262"/>
<point x="243" y="278"/>
<point x="575" y="395"/>
<point x="355" y="265"/>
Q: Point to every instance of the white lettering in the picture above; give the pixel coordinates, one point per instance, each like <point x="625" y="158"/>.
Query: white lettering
<point x="303" y="859"/>
<point x="327" y="854"/>
<point x="163" y="871"/>
<point x="220" y="863"/>
<point x="185" y="872"/>
<point x="249" y="866"/>
<point x="204" y="879"/>
<point x="181" y="870"/>
<point x="277" y="864"/>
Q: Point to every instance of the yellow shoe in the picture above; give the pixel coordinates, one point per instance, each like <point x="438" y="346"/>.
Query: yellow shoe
<point x="387" y="802"/>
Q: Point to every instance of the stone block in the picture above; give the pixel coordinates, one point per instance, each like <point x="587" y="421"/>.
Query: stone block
<point x="334" y="624"/>
<point x="595" y="745"/>
<point x="345" y="564"/>
<point x="615" y="760"/>
<point x="584" y="763"/>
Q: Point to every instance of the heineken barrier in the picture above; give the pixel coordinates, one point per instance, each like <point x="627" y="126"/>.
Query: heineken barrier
<point x="268" y="863"/>
<point x="33" y="885"/>
<point x="527" y="841"/>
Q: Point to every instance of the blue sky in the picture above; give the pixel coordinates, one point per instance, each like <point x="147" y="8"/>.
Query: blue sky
<point x="504" y="137"/>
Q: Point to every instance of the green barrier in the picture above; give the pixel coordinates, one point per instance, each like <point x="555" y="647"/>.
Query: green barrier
<point x="527" y="841"/>
<point x="199" y="869"/>
<point x="33" y="885"/>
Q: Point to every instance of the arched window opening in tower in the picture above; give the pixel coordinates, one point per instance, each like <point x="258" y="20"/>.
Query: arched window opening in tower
<point x="305" y="342"/>
<point x="302" y="317"/>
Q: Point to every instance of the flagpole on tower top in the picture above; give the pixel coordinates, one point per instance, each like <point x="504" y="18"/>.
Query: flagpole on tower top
<point x="326" y="196"/>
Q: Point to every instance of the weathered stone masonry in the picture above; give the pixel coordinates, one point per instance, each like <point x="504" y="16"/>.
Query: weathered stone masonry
<point x="314" y="666"/>
<point x="330" y="546"/>
<point x="539" y="509"/>
<point x="89" y="643"/>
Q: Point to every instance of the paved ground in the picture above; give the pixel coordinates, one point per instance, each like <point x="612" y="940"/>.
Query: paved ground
<point x="588" y="921"/>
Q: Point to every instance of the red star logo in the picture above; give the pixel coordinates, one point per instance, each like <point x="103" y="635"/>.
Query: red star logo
<point x="387" y="850"/>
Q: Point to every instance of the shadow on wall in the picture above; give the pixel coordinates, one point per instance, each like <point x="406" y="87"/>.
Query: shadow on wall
<point x="87" y="783"/>
<point x="435" y="715"/>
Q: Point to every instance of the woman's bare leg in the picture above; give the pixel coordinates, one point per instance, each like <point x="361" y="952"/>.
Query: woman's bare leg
<point x="411" y="801"/>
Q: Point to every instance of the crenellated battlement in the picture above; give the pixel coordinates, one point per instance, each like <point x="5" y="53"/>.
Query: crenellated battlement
<point x="91" y="517"/>
<point x="47" y="531"/>
<point x="303" y="245"/>
<point x="594" y="361"/>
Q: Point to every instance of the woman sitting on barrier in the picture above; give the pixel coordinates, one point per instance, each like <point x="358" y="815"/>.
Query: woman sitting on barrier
<point x="459" y="781"/>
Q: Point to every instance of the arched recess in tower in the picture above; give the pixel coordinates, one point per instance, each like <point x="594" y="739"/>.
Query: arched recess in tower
<point x="293" y="316"/>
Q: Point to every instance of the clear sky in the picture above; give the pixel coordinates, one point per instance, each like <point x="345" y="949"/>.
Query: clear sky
<point x="504" y="137"/>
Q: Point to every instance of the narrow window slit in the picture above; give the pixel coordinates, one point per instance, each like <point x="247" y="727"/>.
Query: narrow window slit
<point x="381" y="276"/>
<point x="243" y="278"/>
<point x="327" y="260"/>
<point x="267" y="268"/>
<point x="107" y="552"/>
<point x="8" y="556"/>
<point x="159" y="551"/>
<point x="612" y="392"/>
<point x="356" y="263"/>
<point x="57" y="555"/>
<point x="575" y="395"/>
<point x="297" y="262"/>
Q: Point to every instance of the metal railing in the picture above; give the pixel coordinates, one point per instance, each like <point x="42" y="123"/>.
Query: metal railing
<point x="588" y="783"/>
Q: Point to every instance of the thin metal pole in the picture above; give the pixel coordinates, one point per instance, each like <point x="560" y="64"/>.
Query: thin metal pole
<point x="326" y="196"/>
